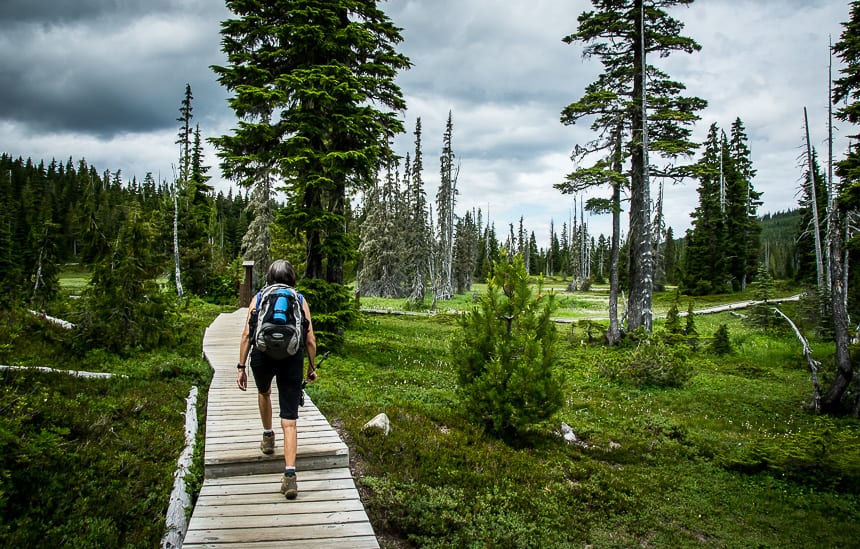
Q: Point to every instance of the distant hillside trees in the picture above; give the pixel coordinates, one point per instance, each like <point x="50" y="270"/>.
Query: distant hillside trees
<point x="779" y="233"/>
<point x="71" y="213"/>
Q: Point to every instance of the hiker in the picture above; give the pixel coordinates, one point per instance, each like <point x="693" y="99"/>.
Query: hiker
<point x="288" y="371"/>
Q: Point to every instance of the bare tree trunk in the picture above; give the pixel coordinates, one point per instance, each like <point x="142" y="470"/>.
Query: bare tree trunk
<point x="614" y="333"/>
<point x="819" y="258"/>
<point x="841" y="336"/>
<point x="813" y="364"/>
<point x="641" y="258"/>
<point x="176" y="243"/>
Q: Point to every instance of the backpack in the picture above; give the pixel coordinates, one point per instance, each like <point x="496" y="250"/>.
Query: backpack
<point x="279" y="322"/>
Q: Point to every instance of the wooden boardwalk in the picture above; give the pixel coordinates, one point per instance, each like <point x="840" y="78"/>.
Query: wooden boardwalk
<point x="240" y="504"/>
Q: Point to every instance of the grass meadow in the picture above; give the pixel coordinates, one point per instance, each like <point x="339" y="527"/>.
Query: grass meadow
<point x="730" y="458"/>
<point x="733" y="458"/>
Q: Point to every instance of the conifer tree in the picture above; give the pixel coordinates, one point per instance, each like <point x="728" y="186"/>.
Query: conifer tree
<point x="465" y="252"/>
<point x="185" y="136"/>
<point x="124" y="305"/>
<point x="382" y="245"/>
<point x="762" y="314"/>
<point x="505" y="355"/>
<point x="315" y="93"/>
<point x="420" y="236"/>
<point x="622" y="33"/>
<point x="742" y="225"/>
<point x="690" y="327"/>
<point x="705" y="269"/>
<point x="446" y="199"/>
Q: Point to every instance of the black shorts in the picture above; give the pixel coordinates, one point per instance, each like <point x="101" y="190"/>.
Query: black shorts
<point x="289" y="373"/>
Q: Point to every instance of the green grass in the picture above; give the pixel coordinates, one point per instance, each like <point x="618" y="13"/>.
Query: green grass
<point x="732" y="459"/>
<point x="90" y="462"/>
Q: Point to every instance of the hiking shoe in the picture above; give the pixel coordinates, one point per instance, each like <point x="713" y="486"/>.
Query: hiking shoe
<point x="289" y="487"/>
<point x="267" y="446"/>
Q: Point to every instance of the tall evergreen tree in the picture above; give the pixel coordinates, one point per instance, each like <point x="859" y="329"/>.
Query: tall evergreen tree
<point x="314" y="89"/>
<point x="446" y="199"/>
<point x="622" y="33"/>
<point x="419" y="235"/>
<point x="185" y="136"/>
<point x="705" y="269"/>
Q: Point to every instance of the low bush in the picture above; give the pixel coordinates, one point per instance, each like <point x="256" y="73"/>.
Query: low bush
<point x="650" y="364"/>
<point x="86" y="462"/>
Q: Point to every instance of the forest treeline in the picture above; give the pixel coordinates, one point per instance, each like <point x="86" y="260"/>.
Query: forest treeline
<point x="63" y="214"/>
<point x="58" y="214"/>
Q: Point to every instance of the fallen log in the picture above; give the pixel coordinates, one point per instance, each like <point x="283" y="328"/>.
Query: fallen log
<point x="813" y="364"/>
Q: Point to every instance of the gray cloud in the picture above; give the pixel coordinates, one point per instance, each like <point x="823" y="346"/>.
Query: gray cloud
<point x="103" y="79"/>
<point x="104" y="68"/>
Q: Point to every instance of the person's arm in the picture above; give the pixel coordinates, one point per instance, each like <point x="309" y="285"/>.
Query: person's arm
<point x="244" y="350"/>
<point x="310" y="343"/>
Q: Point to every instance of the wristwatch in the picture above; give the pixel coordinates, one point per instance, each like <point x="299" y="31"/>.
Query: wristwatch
<point x="240" y="366"/>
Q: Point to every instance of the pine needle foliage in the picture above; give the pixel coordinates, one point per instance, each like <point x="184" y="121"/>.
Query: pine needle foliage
<point x="124" y="306"/>
<point x="721" y="344"/>
<point x="504" y="356"/>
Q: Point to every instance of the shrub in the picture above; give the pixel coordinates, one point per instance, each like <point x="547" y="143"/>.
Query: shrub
<point x="332" y="309"/>
<point x="721" y="345"/>
<point x="652" y="363"/>
<point x="504" y="357"/>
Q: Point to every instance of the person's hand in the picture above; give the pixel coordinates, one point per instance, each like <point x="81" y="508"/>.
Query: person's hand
<point x="242" y="379"/>
<point x="312" y="376"/>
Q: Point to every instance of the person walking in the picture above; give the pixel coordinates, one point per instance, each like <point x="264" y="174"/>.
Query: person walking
<point x="288" y="372"/>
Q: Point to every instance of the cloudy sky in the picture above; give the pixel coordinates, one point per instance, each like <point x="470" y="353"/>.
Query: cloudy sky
<point x="103" y="80"/>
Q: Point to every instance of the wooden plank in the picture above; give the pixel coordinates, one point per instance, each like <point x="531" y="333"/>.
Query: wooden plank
<point x="278" y="520"/>
<point x="293" y="533"/>
<point x="279" y="507"/>
<point x="358" y="542"/>
<point x="305" y="486"/>
<point x="321" y="474"/>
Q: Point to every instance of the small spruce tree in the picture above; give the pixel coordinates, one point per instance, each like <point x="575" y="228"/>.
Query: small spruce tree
<point x="762" y="314"/>
<point x="721" y="345"/>
<point x="674" y="332"/>
<point x="690" y="328"/>
<point x="505" y="355"/>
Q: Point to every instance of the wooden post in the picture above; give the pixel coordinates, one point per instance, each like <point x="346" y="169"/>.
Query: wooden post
<point x="247" y="287"/>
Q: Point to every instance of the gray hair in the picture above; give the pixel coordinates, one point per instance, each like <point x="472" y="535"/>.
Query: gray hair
<point x="281" y="272"/>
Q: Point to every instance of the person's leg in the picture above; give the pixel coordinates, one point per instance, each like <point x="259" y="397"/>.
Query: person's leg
<point x="263" y="375"/>
<point x="290" y="375"/>
<point x="264" y="400"/>
<point x="290" y="442"/>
